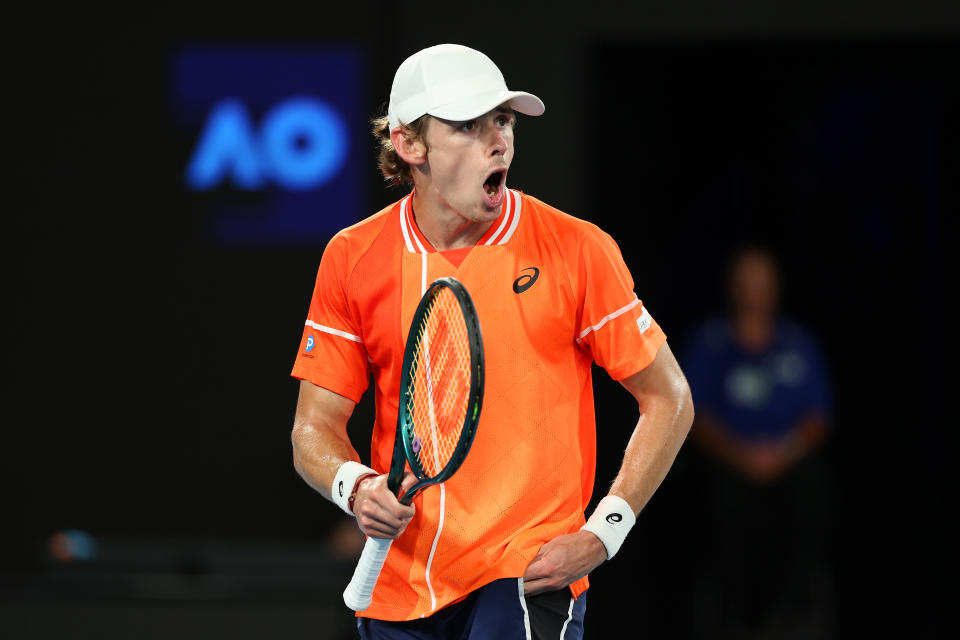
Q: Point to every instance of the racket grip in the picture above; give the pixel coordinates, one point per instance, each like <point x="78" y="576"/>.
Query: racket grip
<point x="359" y="592"/>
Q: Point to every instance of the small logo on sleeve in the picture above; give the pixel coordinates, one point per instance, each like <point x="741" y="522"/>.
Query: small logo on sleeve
<point x="644" y="321"/>
<point x="309" y="346"/>
<point x="614" y="518"/>
<point x="526" y="281"/>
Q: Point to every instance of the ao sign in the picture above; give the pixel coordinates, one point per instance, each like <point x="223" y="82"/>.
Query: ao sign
<point x="299" y="144"/>
<point x="272" y="139"/>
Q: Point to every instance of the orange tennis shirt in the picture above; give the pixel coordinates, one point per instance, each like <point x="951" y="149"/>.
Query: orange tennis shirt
<point x="553" y="295"/>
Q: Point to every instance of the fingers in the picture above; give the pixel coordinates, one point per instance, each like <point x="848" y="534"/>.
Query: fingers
<point x="408" y="481"/>
<point x="541" y="576"/>
<point x="539" y="569"/>
<point x="379" y="513"/>
<point x="563" y="560"/>
<point x="533" y="587"/>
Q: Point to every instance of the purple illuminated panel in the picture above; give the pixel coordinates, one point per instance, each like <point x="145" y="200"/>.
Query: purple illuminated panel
<point x="274" y="137"/>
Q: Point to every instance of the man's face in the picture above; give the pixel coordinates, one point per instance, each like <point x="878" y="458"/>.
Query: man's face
<point x="754" y="285"/>
<point x="467" y="163"/>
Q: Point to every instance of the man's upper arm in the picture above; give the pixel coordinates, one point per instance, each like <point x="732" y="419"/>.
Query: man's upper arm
<point x="318" y="406"/>
<point x="661" y="379"/>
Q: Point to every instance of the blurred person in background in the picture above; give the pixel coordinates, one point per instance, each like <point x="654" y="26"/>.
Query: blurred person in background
<point x="763" y="401"/>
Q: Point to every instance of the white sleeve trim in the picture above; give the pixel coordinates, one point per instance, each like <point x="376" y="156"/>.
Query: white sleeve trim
<point x="607" y="318"/>
<point x="332" y="331"/>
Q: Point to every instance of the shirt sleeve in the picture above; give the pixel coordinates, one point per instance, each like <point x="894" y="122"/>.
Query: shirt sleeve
<point x="332" y="354"/>
<point x="619" y="331"/>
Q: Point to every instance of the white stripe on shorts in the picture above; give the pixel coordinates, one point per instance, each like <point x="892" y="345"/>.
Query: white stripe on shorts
<point x="563" y="631"/>
<point x="523" y="605"/>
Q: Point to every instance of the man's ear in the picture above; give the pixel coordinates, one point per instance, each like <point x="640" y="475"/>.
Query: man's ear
<point x="411" y="148"/>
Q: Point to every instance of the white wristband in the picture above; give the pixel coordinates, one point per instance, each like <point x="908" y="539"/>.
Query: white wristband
<point x="344" y="482"/>
<point x="611" y="522"/>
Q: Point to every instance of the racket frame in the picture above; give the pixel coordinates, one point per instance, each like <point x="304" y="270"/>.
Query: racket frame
<point x="403" y="451"/>
<point x="359" y="592"/>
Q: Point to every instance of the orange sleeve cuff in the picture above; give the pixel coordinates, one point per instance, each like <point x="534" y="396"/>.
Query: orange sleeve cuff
<point x="645" y="354"/>
<point x="327" y="381"/>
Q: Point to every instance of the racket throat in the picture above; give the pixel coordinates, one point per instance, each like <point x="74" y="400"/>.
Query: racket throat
<point x="407" y="498"/>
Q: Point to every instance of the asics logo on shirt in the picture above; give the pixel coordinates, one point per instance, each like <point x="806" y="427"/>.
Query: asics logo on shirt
<point x="526" y="281"/>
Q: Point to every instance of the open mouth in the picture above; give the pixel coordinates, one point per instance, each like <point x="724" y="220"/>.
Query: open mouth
<point x="494" y="181"/>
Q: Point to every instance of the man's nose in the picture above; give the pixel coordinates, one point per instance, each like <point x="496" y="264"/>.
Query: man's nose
<point x="498" y="142"/>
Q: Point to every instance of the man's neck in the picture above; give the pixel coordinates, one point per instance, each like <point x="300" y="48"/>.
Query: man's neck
<point x="442" y="226"/>
<point x="754" y="330"/>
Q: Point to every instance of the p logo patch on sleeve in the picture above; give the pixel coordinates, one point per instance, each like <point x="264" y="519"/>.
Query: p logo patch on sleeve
<point x="644" y="321"/>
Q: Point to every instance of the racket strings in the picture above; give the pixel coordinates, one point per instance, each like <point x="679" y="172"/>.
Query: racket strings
<point x="440" y="375"/>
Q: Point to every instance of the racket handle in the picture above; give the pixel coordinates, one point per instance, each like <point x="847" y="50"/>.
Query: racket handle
<point x="359" y="592"/>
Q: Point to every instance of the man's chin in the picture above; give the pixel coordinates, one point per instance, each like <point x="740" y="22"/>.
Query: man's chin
<point x="487" y="214"/>
<point x="480" y="212"/>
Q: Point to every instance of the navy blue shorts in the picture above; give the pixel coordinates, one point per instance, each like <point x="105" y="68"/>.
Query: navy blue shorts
<point x="497" y="611"/>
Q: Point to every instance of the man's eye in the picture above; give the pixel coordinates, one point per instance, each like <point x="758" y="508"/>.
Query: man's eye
<point x="468" y="126"/>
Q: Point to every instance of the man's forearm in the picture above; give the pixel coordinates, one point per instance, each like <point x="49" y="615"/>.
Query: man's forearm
<point x="666" y="413"/>
<point x="321" y="448"/>
<point x="652" y="449"/>
<point x="319" y="436"/>
<point x="316" y="456"/>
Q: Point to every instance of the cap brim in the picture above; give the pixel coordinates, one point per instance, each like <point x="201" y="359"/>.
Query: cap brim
<point x="477" y="105"/>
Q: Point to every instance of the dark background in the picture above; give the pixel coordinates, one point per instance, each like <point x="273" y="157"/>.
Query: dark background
<point x="150" y="397"/>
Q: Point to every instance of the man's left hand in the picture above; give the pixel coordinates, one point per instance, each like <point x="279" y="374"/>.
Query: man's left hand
<point x="563" y="560"/>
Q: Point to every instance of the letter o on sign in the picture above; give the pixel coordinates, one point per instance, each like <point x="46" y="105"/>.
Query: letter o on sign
<point x="304" y="141"/>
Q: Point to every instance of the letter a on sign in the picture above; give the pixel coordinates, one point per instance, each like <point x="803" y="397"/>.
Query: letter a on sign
<point x="227" y="147"/>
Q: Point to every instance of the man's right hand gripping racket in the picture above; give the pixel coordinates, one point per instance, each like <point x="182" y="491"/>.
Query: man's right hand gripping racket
<point x="441" y="391"/>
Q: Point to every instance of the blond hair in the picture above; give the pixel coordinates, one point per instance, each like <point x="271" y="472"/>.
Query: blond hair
<point x="395" y="169"/>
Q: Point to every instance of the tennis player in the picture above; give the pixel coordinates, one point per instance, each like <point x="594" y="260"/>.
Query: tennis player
<point x="501" y="550"/>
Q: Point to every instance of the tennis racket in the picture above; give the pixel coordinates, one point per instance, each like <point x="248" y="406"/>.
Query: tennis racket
<point x="441" y="391"/>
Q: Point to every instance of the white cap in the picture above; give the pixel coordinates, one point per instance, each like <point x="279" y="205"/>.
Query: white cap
<point x="452" y="82"/>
